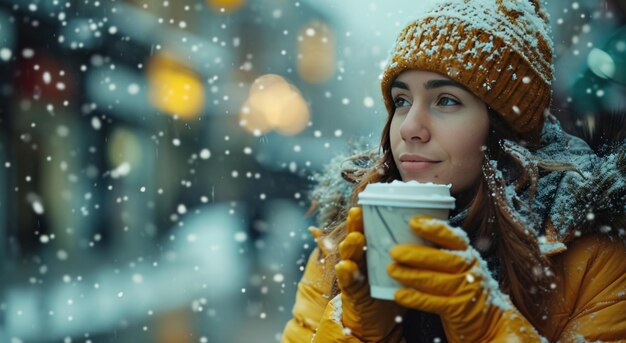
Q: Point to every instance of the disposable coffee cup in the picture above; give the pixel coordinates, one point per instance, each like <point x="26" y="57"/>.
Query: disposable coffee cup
<point x="387" y="209"/>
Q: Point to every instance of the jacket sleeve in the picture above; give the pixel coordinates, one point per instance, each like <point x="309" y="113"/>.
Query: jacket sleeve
<point x="312" y="296"/>
<point x="590" y="298"/>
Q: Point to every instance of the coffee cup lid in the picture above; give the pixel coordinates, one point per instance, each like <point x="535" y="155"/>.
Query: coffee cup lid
<point x="407" y="194"/>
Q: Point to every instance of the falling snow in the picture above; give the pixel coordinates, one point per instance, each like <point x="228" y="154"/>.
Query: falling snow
<point x="159" y="157"/>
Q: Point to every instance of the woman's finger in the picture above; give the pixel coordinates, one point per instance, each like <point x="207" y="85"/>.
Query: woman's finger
<point x="355" y="220"/>
<point x="352" y="247"/>
<point x="348" y="275"/>
<point x="321" y="240"/>
<point x="415" y="299"/>
<point x="425" y="257"/>
<point x="439" y="232"/>
<point x="427" y="281"/>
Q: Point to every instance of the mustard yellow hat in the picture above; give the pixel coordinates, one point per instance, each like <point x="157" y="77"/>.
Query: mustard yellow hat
<point x="501" y="50"/>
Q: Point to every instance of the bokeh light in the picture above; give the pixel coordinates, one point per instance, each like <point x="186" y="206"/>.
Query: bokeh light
<point x="274" y="104"/>
<point x="225" y="5"/>
<point x="253" y="120"/>
<point x="157" y="156"/>
<point x="175" y="88"/>
<point x="124" y="150"/>
<point x="316" y="52"/>
<point x="601" y="63"/>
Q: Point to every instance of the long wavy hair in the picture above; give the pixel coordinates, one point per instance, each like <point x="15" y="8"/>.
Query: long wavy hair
<point x="524" y="273"/>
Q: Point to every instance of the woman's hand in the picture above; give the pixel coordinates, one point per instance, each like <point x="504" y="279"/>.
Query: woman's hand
<point x="362" y="317"/>
<point x="455" y="283"/>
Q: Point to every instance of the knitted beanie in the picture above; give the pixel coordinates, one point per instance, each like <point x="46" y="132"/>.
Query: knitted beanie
<point x="501" y="50"/>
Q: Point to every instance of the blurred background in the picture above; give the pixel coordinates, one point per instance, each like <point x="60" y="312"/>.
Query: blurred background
<point x="156" y="155"/>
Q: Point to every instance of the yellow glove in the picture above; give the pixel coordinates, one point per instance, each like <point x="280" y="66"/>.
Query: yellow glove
<point x="314" y="291"/>
<point x="455" y="283"/>
<point x="362" y="317"/>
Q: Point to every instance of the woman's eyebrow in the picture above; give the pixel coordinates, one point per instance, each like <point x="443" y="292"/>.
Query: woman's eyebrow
<point x="430" y="84"/>
<point x="399" y="84"/>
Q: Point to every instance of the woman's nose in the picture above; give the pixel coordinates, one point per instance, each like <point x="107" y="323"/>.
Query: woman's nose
<point x="416" y="125"/>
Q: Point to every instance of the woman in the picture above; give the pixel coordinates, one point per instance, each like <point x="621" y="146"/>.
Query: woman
<point x="541" y="254"/>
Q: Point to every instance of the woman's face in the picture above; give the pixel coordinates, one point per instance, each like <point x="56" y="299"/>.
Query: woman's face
<point x="437" y="131"/>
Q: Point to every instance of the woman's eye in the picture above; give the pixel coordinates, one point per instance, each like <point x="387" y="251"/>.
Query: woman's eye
<point x="400" y="102"/>
<point x="447" y="101"/>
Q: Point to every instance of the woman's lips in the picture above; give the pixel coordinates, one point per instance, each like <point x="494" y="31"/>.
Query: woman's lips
<point x="415" y="166"/>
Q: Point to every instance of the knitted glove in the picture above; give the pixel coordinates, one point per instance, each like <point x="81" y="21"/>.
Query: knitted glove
<point x="455" y="283"/>
<point x="362" y="317"/>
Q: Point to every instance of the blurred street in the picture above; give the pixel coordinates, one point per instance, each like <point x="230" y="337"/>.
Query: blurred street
<point x="156" y="156"/>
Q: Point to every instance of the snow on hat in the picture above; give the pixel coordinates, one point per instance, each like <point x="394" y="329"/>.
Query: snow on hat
<point x="501" y="50"/>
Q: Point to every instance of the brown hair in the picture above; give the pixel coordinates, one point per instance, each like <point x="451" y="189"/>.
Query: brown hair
<point x="524" y="272"/>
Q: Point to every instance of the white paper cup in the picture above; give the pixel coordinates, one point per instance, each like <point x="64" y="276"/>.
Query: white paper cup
<point x="387" y="209"/>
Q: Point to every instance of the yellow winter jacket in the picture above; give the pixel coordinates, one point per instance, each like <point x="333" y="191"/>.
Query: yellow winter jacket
<point x="589" y="303"/>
